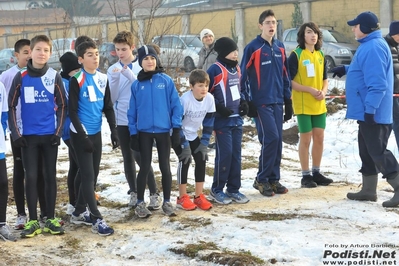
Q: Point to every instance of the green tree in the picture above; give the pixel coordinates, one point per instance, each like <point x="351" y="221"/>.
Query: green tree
<point x="90" y="8"/>
<point x="297" y="18"/>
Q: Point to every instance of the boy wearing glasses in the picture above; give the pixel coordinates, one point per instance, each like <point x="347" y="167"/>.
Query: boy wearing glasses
<point x="266" y="85"/>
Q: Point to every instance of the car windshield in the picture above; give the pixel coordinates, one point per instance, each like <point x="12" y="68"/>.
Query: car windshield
<point x="192" y="41"/>
<point x="334" y="36"/>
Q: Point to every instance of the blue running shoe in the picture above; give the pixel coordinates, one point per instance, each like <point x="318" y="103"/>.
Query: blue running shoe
<point x="220" y="197"/>
<point x="237" y="197"/>
<point x="101" y="228"/>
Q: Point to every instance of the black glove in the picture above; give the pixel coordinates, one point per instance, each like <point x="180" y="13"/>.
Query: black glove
<point x="88" y="145"/>
<point x="20" y="142"/>
<point x="252" y="112"/>
<point x="185" y="155"/>
<point x="55" y="140"/>
<point x="223" y="110"/>
<point x="175" y="137"/>
<point x="339" y="71"/>
<point x="203" y="150"/>
<point x="369" y="119"/>
<point x="114" y="138"/>
<point x="287" y="109"/>
<point x="134" y="142"/>
<point x="243" y="107"/>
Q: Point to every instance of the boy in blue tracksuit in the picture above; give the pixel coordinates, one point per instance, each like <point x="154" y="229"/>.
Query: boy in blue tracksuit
<point x="154" y="111"/>
<point x="121" y="76"/>
<point x="266" y="83"/>
<point x="89" y="98"/>
<point x="43" y="109"/>
<point x="70" y="66"/>
<point x="224" y="85"/>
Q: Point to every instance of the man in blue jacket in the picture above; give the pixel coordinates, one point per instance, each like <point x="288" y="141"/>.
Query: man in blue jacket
<point x="369" y="89"/>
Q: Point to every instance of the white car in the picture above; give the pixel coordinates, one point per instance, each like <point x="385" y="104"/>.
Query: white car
<point x="337" y="49"/>
<point x="60" y="47"/>
<point x="180" y="51"/>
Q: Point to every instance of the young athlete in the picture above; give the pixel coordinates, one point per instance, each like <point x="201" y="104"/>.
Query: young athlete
<point x="266" y="84"/>
<point x="89" y="97"/>
<point x="5" y="232"/>
<point x="199" y="109"/>
<point x="309" y="84"/>
<point x="154" y="111"/>
<point x="22" y="52"/>
<point x="224" y="83"/>
<point x="121" y="76"/>
<point x="40" y="92"/>
<point x="70" y="66"/>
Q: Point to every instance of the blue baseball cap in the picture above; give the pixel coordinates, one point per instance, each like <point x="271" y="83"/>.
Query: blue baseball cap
<point x="368" y="22"/>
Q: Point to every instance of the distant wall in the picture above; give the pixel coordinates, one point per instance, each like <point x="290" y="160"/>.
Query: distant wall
<point x="221" y="22"/>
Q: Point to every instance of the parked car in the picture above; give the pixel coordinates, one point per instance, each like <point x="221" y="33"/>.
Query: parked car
<point x="108" y="55"/>
<point x="179" y="51"/>
<point x="7" y="59"/>
<point x="337" y="49"/>
<point x="60" y="47"/>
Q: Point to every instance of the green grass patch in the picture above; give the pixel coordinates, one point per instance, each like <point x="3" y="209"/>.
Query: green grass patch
<point x="215" y="255"/>
<point x="191" y="222"/>
<point x="258" y="216"/>
<point x="191" y="250"/>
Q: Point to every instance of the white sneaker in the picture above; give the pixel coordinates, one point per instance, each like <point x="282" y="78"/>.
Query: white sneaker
<point x="155" y="202"/>
<point x="6" y="234"/>
<point x="21" y="221"/>
<point x="168" y="209"/>
<point x="133" y="199"/>
<point x="70" y="209"/>
<point x="83" y="218"/>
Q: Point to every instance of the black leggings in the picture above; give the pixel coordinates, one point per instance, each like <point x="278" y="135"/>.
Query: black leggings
<point x="182" y="169"/>
<point x="73" y="171"/>
<point x="40" y="147"/>
<point x="18" y="181"/>
<point x="89" y="165"/>
<point x="163" y="147"/>
<point x="3" y="191"/>
<point x="129" y="158"/>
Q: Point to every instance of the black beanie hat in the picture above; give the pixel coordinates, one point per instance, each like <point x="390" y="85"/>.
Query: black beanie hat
<point x="69" y="62"/>
<point x="224" y="46"/>
<point x="394" y="28"/>
<point x="146" y="50"/>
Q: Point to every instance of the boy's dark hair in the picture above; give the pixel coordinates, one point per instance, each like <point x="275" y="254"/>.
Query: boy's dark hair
<point x="21" y="43"/>
<point x="40" y="38"/>
<point x="301" y="35"/>
<point x="265" y="14"/>
<point x="124" y="37"/>
<point x="82" y="48"/>
<point x="81" y="39"/>
<point x="198" y="76"/>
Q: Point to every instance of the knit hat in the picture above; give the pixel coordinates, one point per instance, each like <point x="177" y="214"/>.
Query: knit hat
<point x="394" y="28"/>
<point x="69" y="62"/>
<point x="224" y="46"/>
<point x="205" y="32"/>
<point x="368" y="22"/>
<point x="144" y="51"/>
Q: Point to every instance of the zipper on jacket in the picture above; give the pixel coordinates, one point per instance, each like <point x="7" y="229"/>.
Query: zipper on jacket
<point x="152" y="99"/>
